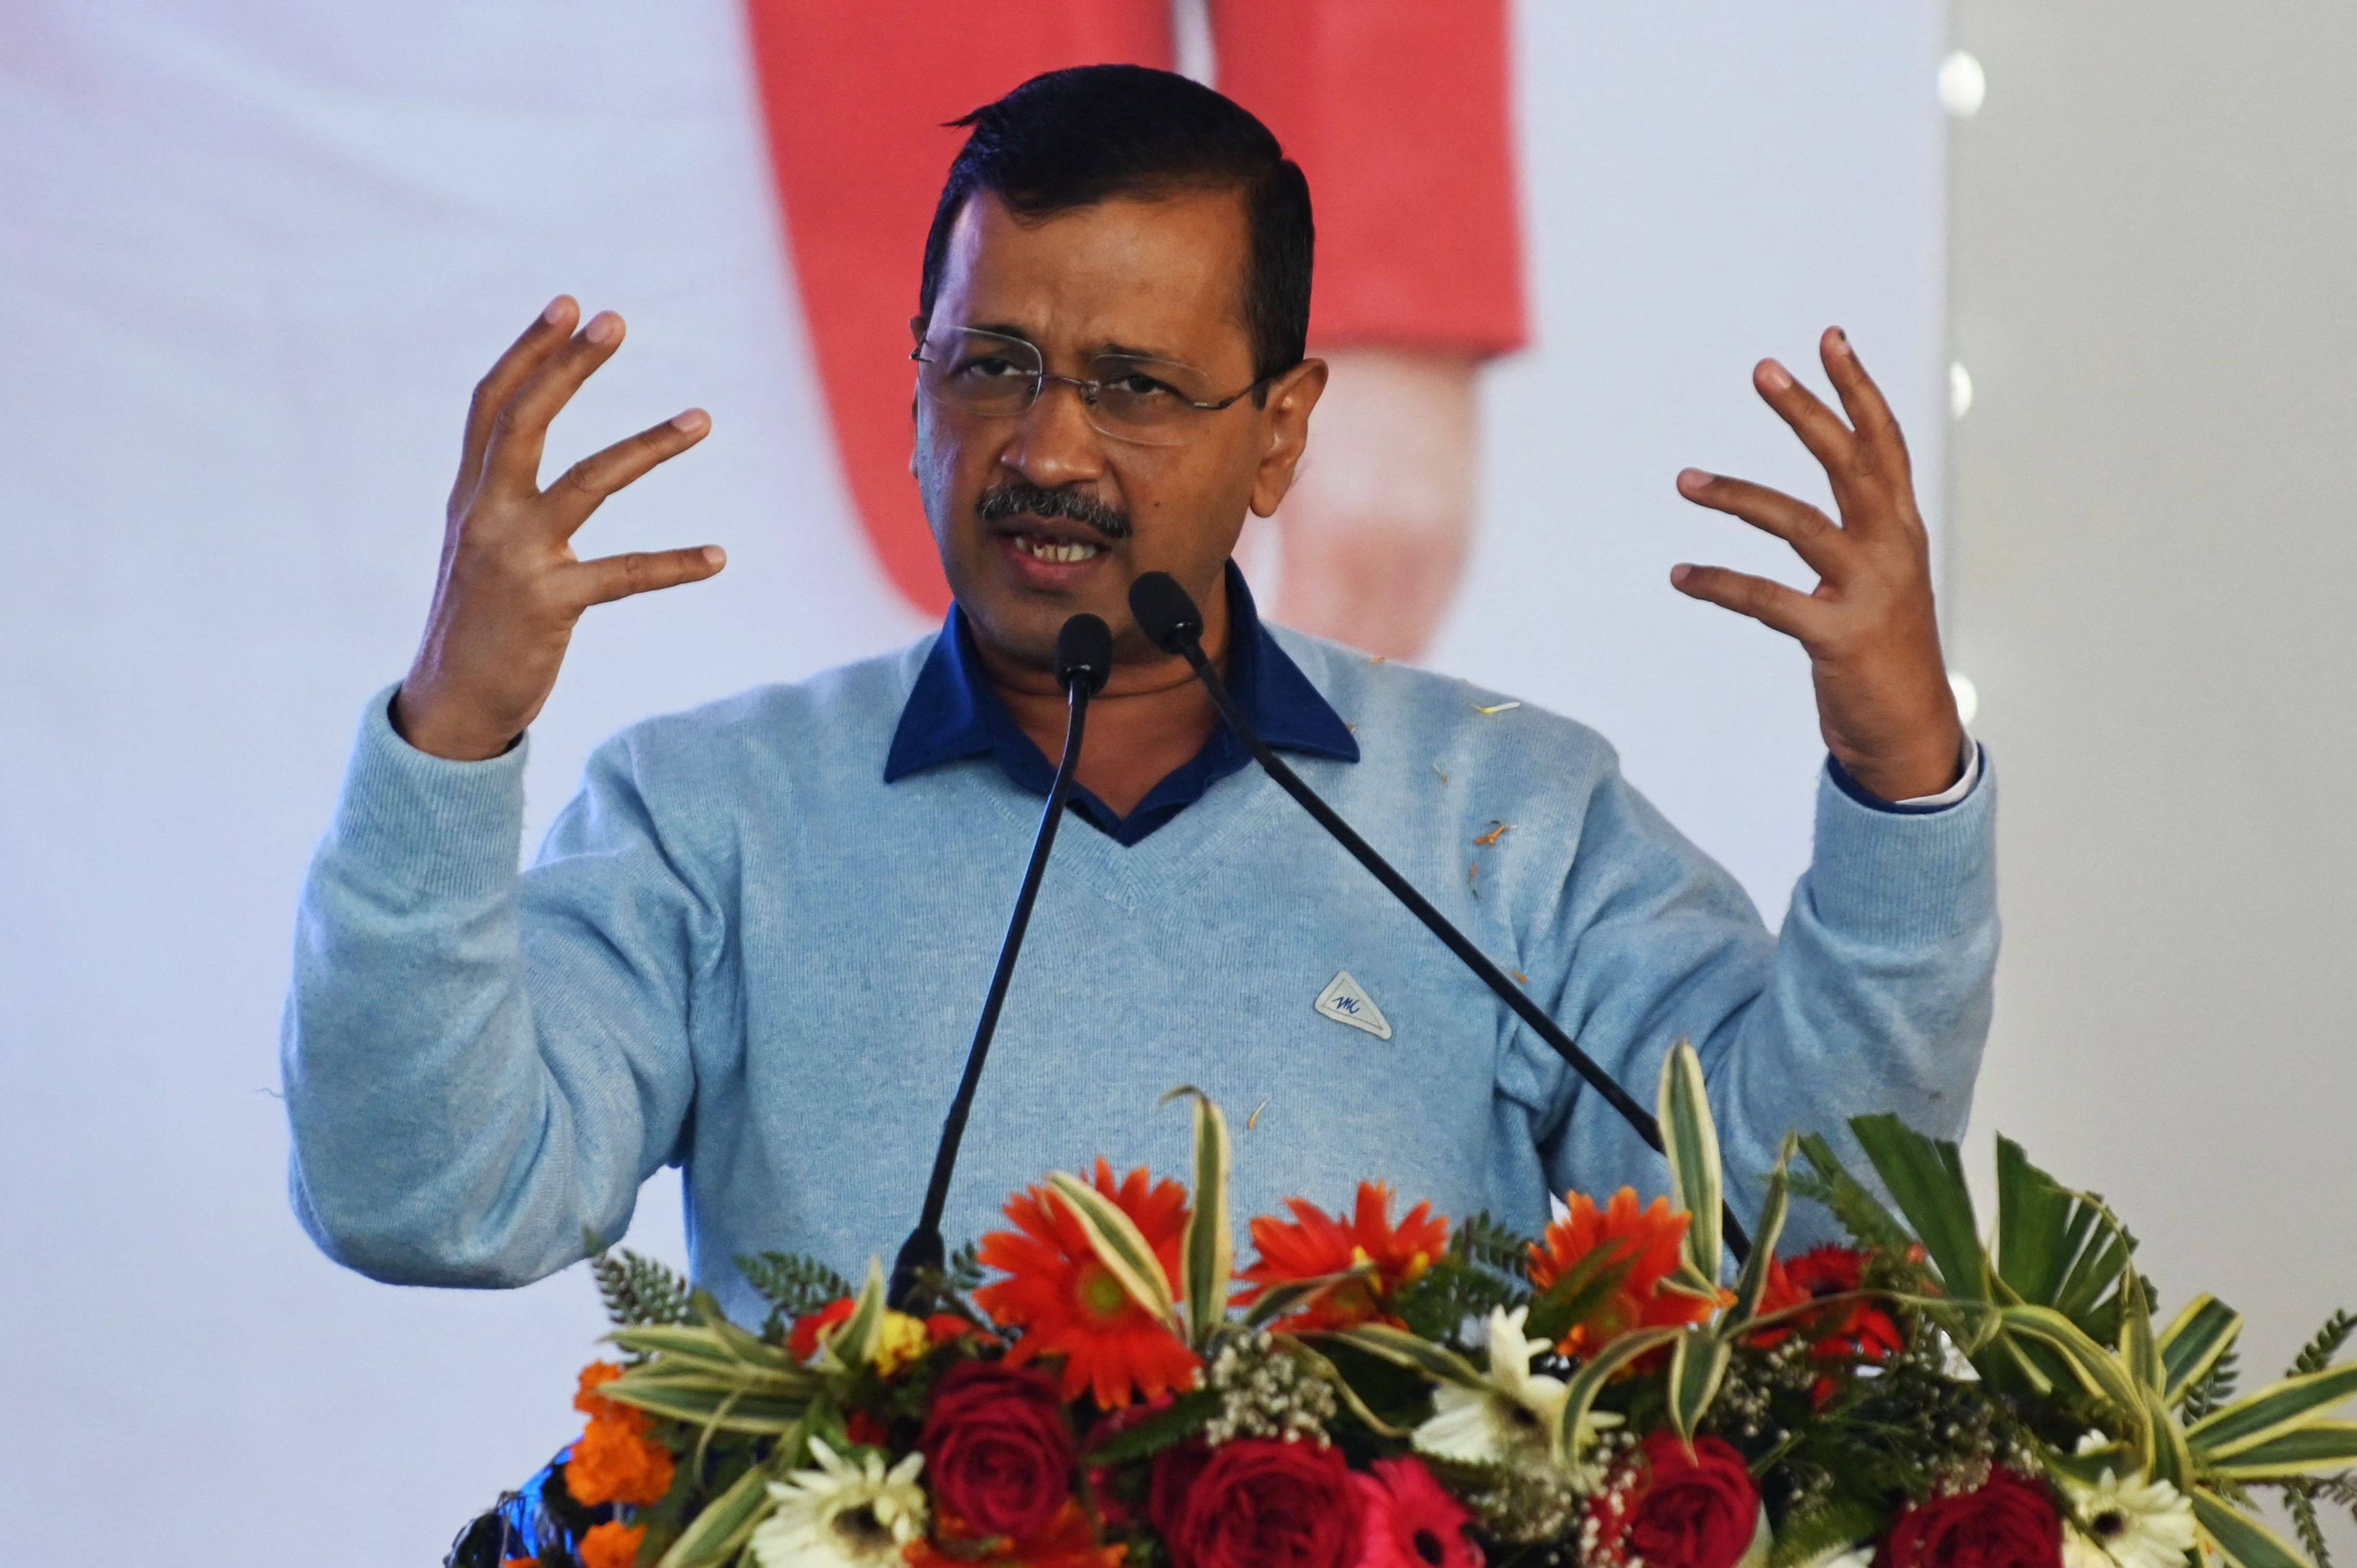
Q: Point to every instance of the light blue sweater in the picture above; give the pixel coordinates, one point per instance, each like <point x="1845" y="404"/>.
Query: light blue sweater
<point x="741" y="950"/>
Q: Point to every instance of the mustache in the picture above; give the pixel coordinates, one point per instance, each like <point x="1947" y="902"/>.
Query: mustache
<point x="1020" y="497"/>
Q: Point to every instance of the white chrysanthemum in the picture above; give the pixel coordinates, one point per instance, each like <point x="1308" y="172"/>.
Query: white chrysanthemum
<point x="2127" y="1523"/>
<point x="843" y="1513"/>
<point x="1511" y="1418"/>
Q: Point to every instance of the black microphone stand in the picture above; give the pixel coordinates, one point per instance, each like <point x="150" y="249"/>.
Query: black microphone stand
<point x="1084" y="660"/>
<point x="1181" y="633"/>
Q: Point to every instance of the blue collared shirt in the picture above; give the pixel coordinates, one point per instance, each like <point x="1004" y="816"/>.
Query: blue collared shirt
<point x="953" y="712"/>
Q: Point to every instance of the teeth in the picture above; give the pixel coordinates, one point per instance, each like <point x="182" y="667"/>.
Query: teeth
<point x="1049" y="550"/>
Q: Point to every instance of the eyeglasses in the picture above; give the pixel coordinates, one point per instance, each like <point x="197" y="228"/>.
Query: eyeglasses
<point x="1152" y="403"/>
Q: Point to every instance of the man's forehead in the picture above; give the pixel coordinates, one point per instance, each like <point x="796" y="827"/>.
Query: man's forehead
<point x="1163" y="275"/>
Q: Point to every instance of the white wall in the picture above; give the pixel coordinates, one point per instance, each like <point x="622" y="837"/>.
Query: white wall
<point x="2152" y="561"/>
<point x="254" y="253"/>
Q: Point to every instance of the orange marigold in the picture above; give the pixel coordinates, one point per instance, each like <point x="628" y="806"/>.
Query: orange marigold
<point x="1315" y="1243"/>
<point x="610" y="1545"/>
<point x="589" y="1401"/>
<point x="1647" y="1239"/>
<point x="615" y="1462"/>
<point x="1068" y="1305"/>
<point x="1070" y="1540"/>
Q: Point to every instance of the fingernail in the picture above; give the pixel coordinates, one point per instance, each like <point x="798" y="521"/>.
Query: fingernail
<point x="1693" y="478"/>
<point x="556" y="308"/>
<point x="692" y="421"/>
<point x="714" y="556"/>
<point x="1680" y="572"/>
<point x="607" y="328"/>
<point x="1841" y="340"/>
<point x="1774" y="376"/>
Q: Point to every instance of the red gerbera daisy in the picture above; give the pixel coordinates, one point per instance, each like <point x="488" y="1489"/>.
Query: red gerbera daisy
<point x="1647" y="1240"/>
<point x="1315" y="1243"/>
<point x="1067" y="1304"/>
<point x="1857" y="1330"/>
<point x="1408" y="1521"/>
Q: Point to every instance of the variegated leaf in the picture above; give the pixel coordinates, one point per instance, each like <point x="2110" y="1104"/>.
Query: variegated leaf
<point x="1690" y="1139"/>
<point x="1121" y="1247"/>
<point x="1400" y="1347"/>
<point x="2241" y="1540"/>
<point x="1752" y="1284"/>
<point x="1580" y="1397"/>
<point x="2272" y="1411"/>
<point x="1206" y="1257"/>
<point x="853" y="1342"/>
<point x="720" y="1532"/>
<point x="2202" y="1330"/>
<point x="2319" y="1448"/>
<point x="1698" y="1367"/>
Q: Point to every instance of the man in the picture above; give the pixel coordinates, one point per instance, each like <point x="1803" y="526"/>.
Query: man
<point x="755" y="943"/>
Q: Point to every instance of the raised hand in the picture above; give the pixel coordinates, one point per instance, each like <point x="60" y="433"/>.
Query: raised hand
<point x="510" y="588"/>
<point x="1883" y="700"/>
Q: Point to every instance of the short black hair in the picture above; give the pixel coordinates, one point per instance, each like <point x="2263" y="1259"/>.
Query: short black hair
<point x="1088" y="133"/>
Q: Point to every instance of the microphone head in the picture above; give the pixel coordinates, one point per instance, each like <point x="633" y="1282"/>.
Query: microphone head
<point x="1085" y="654"/>
<point x="1165" y="612"/>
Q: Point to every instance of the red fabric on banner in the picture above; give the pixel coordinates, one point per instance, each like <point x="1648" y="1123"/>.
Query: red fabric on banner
<point x="1395" y="109"/>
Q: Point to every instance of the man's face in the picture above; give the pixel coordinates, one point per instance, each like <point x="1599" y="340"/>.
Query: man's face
<point x="1013" y="498"/>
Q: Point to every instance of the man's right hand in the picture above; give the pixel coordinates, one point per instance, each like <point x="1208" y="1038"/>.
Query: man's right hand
<point x="510" y="586"/>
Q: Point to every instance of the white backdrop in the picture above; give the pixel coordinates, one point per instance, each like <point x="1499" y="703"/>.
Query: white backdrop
<point x="252" y="257"/>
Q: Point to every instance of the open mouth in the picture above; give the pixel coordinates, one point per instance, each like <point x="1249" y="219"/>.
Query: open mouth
<point x="1050" y="543"/>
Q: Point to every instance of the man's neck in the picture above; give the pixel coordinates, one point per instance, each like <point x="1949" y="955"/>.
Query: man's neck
<point x="1149" y="720"/>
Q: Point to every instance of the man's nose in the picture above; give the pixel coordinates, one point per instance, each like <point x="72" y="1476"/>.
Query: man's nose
<point x="1055" y="443"/>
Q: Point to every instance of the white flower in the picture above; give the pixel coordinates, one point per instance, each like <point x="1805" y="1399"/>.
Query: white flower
<point x="2126" y="1523"/>
<point x="843" y="1514"/>
<point x="1511" y="1419"/>
<point x="1858" y="1556"/>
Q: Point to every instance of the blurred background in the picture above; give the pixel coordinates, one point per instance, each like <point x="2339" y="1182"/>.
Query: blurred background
<point x="254" y="255"/>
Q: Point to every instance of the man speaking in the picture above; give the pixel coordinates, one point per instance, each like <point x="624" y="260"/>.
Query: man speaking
<point x="755" y="943"/>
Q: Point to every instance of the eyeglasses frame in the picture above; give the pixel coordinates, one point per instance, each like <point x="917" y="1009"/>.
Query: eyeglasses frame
<point x="1089" y="388"/>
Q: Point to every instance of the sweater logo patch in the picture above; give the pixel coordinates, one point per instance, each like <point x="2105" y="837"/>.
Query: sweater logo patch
<point x="1346" y="1001"/>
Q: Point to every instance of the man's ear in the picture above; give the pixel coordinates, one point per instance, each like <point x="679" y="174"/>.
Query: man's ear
<point x="1285" y="421"/>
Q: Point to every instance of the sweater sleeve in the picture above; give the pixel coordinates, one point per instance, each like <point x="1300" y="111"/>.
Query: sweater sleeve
<point x="481" y="1067"/>
<point x="1874" y="997"/>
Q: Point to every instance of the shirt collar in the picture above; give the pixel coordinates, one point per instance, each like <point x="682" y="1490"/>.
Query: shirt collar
<point x="954" y="713"/>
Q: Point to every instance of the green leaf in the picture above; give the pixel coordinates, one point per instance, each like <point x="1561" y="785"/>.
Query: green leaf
<point x="2241" y="1540"/>
<point x="1690" y="1138"/>
<point x="2034" y="1226"/>
<point x="720" y="1532"/>
<point x="2201" y="1331"/>
<point x="2319" y="1448"/>
<point x="2138" y="1349"/>
<point x="1121" y="1247"/>
<point x="1698" y="1367"/>
<point x="853" y="1342"/>
<point x="1578" y="1291"/>
<point x="1752" y="1284"/>
<point x="1861" y="1213"/>
<point x="1350" y="1398"/>
<point x="1165" y="1428"/>
<point x="1926" y="1179"/>
<point x="1588" y="1382"/>
<point x="1298" y="1295"/>
<point x="1401" y="1348"/>
<point x="2276" y="1409"/>
<point x="700" y="1404"/>
<point x="1207" y="1256"/>
<point x="2097" y="1369"/>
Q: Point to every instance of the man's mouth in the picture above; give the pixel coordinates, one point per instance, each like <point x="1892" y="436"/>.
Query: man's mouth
<point x="1062" y="551"/>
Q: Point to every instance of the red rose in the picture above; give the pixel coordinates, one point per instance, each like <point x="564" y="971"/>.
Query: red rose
<point x="1699" y="1509"/>
<point x="2007" y="1523"/>
<point x="998" y="1447"/>
<point x="1258" y="1503"/>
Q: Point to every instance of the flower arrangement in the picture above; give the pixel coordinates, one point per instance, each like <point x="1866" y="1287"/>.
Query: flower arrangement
<point x="1101" y="1386"/>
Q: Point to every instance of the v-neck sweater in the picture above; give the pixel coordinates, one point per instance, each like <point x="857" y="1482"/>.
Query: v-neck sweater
<point x="742" y="951"/>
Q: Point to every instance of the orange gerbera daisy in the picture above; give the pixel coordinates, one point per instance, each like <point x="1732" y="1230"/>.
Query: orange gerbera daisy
<point x="1068" y="1305"/>
<point x="1315" y="1243"/>
<point x="1647" y="1240"/>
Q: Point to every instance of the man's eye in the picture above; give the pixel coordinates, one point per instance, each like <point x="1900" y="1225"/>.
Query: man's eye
<point x="991" y="367"/>
<point x="1136" y="384"/>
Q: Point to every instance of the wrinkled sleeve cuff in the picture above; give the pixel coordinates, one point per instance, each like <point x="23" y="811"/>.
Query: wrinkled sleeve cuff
<point x="1905" y="876"/>
<point x="1967" y="782"/>
<point x="426" y="823"/>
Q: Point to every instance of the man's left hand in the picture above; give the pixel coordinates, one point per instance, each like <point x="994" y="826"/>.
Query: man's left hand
<point x="1883" y="700"/>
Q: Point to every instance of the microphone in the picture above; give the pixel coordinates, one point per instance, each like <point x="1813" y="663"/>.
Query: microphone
<point x="1084" y="660"/>
<point x="1168" y="616"/>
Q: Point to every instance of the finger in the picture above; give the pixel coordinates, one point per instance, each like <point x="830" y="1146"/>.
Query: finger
<point x="1881" y="442"/>
<point x="1829" y="441"/>
<point x="1814" y="536"/>
<point x="523" y="356"/>
<point x="611" y="578"/>
<point x="1771" y="603"/>
<point x="584" y="487"/>
<point x="520" y="426"/>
